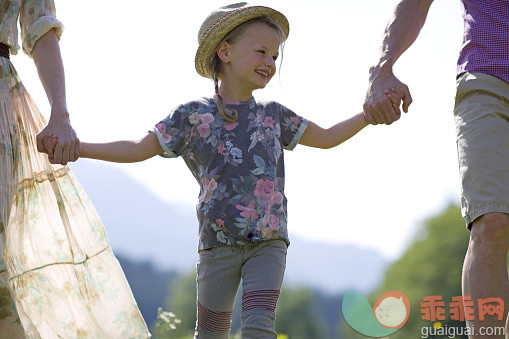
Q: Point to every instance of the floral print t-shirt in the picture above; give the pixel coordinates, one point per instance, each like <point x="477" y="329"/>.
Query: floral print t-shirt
<point x="238" y="165"/>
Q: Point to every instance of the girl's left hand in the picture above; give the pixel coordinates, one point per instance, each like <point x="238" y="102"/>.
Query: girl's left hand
<point x="395" y="96"/>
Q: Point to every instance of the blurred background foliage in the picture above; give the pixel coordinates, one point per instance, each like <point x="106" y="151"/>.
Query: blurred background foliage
<point x="431" y="266"/>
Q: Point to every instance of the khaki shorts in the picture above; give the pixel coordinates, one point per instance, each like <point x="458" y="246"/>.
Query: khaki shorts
<point x="481" y="113"/>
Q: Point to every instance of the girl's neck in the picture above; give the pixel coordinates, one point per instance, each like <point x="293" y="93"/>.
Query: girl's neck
<point x="233" y="93"/>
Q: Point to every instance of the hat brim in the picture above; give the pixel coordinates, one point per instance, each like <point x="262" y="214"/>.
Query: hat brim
<point x="208" y="47"/>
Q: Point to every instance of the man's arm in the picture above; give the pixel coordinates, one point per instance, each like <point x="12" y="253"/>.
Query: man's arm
<point x="400" y="34"/>
<point x="47" y="58"/>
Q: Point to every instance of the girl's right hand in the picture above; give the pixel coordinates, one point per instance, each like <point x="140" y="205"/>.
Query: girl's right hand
<point x="50" y="141"/>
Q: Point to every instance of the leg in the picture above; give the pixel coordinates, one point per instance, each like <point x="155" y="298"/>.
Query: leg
<point x="218" y="280"/>
<point x="482" y="127"/>
<point x="262" y="276"/>
<point x="485" y="268"/>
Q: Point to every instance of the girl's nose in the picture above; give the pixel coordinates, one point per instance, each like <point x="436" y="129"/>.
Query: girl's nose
<point x="270" y="62"/>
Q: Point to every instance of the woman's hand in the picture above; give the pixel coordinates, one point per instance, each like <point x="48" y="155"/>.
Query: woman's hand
<point x="67" y="147"/>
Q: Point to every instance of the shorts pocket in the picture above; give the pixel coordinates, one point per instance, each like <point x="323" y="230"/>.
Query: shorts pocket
<point x="209" y="252"/>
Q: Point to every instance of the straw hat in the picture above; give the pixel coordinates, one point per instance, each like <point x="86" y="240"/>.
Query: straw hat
<point x="220" y="22"/>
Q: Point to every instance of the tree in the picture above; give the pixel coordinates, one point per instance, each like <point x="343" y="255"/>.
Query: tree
<point x="182" y="302"/>
<point x="430" y="267"/>
<point x="296" y="315"/>
<point x="150" y="286"/>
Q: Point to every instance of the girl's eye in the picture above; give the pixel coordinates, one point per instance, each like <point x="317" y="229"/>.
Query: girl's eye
<point x="261" y="52"/>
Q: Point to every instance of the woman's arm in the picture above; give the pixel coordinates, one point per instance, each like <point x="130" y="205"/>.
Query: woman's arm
<point x="316" y="136"/>
<point x="123" y="151"/>
<point x="48" y="60"/>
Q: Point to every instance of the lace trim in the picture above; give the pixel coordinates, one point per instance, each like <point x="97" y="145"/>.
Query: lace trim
<point x="37" y="178"/>
<point x="43" y="176"/>
<point x="61" y="263"/>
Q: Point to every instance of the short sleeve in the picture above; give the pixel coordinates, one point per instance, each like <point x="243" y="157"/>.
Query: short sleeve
<point x="172" y="132"/>
<point x="292" y="127"/>
<point x="37" y="17"/>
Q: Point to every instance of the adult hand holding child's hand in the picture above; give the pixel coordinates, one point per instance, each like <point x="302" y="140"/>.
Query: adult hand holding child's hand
<point x="67" y="145"/>
<point x="379" y="108"/>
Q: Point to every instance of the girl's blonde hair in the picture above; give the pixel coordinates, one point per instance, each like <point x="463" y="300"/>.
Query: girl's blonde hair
<point x="215" y="63"/>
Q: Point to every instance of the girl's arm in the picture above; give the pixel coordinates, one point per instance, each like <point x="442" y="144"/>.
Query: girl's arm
<point x="316" y="136"/>
<point x="123" y="151"/>
<point x="117" y="151"/>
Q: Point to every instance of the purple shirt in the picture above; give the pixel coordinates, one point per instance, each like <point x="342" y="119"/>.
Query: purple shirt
<point x="486" y="39"/>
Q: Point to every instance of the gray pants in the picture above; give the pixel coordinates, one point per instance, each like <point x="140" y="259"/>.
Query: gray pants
<point x="260" y="267"/>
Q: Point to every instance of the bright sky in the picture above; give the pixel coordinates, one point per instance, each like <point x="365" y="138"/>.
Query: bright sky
<point x="128" y="63"/>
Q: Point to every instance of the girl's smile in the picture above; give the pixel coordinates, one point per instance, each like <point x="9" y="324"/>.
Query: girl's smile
<point x="251" y="61"/>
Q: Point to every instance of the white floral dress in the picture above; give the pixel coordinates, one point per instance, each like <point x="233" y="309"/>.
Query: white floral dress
<point x="56" y="262"/>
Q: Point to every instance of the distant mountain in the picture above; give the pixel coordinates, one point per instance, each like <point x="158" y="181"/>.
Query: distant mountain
<point x="333" y="268"/>
<point x="141" y="227"/>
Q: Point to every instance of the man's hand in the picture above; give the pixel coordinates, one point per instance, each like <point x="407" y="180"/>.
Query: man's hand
<point x="67" y="147"/>
<point x="378" y="108"/>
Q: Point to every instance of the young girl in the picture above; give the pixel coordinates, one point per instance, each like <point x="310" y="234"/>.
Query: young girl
<point x="233" y="146"/>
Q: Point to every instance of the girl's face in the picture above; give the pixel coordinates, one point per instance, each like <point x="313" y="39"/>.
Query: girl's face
<point x="251" y="60"/>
